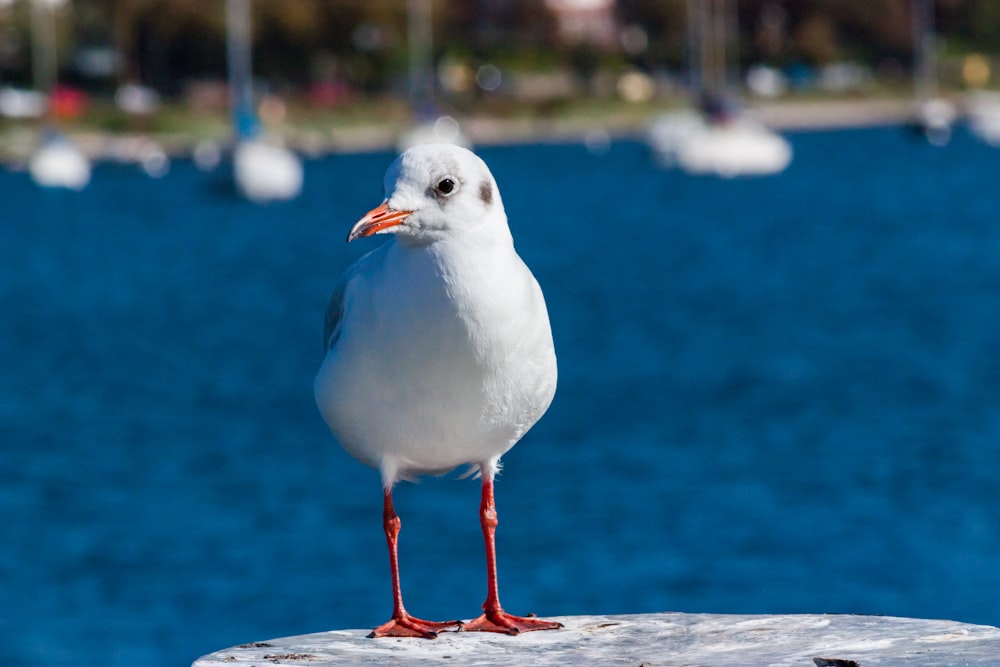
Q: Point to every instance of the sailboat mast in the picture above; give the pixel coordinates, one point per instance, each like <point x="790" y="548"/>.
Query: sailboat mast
<point x="924" y="49"/>
<point x="731" y="39"/>
<point x="692" y="15"/>
<point x="43" y="45"/>
<point x="710" y="26"/>
<point x="419" y="31"/>
<point x="239" y="59"/>
<point x="707" y="28"/>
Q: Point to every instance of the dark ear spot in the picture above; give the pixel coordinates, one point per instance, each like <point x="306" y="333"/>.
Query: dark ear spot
<point x="486" y="192"/>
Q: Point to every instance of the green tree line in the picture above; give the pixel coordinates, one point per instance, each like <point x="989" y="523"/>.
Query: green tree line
<point x="165" y="43"/>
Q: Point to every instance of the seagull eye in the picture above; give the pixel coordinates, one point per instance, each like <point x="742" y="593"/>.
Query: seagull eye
<point x="446" y="185"/>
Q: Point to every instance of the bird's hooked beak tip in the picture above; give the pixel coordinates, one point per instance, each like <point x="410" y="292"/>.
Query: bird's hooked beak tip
<point x="376" y="221"/>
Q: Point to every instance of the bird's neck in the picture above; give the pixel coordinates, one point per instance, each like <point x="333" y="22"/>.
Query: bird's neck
<point x="483" y="238"/>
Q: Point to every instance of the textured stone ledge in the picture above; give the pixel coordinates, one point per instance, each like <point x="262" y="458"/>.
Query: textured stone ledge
<point x="653" y="640"/>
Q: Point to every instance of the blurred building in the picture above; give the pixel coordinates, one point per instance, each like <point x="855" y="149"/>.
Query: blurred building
<point x="585" y="21"/>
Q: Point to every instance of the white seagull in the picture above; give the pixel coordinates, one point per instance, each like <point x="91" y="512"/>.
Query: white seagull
<point x="438" y="350"/>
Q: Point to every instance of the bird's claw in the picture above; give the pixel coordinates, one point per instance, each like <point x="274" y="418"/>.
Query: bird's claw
<point x="500" y="621"/>
<point x="407" y="626"/>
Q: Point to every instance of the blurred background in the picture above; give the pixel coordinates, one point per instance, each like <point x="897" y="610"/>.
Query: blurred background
<point x="330" y="75"/>
<point x="766" y="232"/>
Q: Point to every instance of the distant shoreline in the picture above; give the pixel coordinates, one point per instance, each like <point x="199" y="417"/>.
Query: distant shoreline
<point x="832" y="114"/>
<point x="785" y="115"/>
<point x="618" y="123"/>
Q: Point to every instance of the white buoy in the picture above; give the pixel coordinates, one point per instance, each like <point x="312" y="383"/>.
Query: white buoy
<point x="207" y="155"/>
<point x="154" y="161"/>
<point x="59" y="164"/>
<point x="265" y="172"/>
<point x="934" y="118"/>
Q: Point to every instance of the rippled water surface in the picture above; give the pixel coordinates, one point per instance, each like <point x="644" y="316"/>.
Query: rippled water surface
<point x="776" y="395"/>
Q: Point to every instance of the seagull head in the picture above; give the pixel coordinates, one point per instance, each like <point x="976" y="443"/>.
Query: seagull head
<point x="434" y="191"/>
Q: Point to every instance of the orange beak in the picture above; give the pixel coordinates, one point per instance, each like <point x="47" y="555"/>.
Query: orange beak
<point x="377" y="220"/>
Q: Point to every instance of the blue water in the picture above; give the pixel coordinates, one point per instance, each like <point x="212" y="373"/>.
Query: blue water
<point x="776" y="395"/>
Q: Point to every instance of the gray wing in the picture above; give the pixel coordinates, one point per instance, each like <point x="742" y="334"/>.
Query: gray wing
<point x="334" y="312"/>
<point x="335" y="308"/>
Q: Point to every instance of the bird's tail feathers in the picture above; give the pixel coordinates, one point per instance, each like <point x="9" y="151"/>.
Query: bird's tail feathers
<point x="490" y="468"/>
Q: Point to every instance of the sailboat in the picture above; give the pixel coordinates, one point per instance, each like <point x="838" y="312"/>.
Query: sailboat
<point x="933" y="115"/>
<point x="431" y="127"/>
<point x="57" y="162"/>
<point x="718" y="139"/>
<point x="263" y="171"/>
<point x="983" y="116"/>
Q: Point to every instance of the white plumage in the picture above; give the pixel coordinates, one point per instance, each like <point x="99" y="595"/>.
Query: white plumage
<point x="439" y="350"/>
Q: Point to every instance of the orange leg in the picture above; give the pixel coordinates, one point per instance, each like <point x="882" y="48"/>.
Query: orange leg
<point x="402" y="624"/>
<point x="494" y="618"/>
